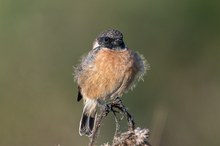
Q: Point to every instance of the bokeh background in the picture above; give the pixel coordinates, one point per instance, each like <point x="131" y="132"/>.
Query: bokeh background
<point x="40" y="41"/>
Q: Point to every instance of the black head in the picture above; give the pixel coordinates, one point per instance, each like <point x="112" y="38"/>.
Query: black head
<point x="112" y="39"/>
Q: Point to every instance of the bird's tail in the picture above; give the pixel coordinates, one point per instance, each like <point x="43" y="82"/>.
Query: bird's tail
<point x="88" y="118"/>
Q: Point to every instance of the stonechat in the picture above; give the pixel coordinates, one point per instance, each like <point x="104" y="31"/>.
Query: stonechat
<point x="108" y="71"/>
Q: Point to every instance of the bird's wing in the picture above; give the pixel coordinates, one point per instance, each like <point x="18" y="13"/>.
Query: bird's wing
<point x="79" y="97"/>
<point x="86" y="61"/>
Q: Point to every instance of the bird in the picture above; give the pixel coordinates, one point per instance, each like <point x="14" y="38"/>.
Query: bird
<point x="109" y="70"/>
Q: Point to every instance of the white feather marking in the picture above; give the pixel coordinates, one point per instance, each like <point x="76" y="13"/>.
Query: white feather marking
<point x="90" y="106"/>
<point x="95" y="44"/>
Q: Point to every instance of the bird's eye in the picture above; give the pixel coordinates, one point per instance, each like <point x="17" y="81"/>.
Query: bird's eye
<point x="106" y="39"/>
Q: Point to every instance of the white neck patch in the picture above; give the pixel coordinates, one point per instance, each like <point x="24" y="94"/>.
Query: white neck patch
<point x="95" y="44"/>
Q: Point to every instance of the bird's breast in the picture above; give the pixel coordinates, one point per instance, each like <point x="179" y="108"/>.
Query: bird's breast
<point x="107" y="73"/>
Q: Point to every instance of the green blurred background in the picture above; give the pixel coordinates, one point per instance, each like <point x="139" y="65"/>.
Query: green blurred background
<point x="40" y="41"/>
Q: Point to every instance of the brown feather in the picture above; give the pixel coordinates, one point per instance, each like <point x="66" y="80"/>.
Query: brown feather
<point x="110" y="74"/>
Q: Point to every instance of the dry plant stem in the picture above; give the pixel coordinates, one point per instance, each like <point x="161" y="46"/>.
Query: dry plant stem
<point x="117" y="125"/>
<point x="138" y="137"/>
<point x="119" y="105"/>
<point x="104" y="111"/>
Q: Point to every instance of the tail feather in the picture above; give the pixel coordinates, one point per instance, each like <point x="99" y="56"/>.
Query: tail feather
<point x="88" y="120"/>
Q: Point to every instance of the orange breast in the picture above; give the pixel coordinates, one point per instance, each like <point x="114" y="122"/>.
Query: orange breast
<point x="107" y="74"/>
